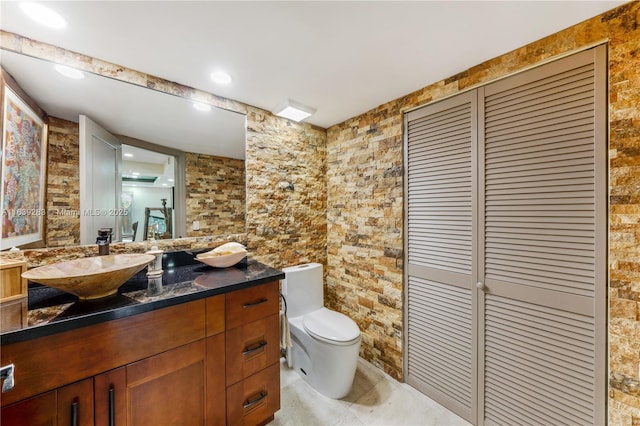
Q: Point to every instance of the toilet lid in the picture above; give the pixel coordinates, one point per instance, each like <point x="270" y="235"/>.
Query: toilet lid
<point x="330" y="325"/>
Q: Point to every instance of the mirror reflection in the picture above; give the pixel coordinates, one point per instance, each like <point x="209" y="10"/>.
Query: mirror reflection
<point x="148" y="180"/>
<point x="150" y="125"/>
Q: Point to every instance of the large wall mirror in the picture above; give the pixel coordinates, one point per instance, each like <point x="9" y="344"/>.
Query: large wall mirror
<point x="178" y="166"/>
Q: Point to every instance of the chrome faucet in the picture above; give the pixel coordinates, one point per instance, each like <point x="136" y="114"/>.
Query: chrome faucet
<point x="103" y="240"/>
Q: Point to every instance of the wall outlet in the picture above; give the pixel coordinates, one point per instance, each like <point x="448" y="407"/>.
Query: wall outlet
<point x="195" y="225"/>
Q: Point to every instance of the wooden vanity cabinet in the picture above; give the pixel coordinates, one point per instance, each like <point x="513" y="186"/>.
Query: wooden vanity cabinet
<point x="163" y="367"/>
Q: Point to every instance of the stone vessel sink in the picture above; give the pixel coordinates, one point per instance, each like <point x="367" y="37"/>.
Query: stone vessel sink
<point x="90" y="277"/>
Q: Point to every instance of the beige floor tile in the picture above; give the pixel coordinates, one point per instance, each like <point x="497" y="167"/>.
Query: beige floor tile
<point x="375" y="399"/>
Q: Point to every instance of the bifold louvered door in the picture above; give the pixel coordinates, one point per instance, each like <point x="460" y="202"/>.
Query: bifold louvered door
<point x="440" y="204"/>
<point x="506" y="247"/>
<point x="544" y="248"/>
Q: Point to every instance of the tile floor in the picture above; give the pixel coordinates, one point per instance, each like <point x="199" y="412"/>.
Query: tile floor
<point x="375" y="399"/>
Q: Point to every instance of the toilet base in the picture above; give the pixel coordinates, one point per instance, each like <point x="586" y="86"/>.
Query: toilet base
<point x="330" y="369"/>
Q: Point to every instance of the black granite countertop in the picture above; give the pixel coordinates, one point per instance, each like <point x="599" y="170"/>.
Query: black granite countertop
<point x="185" y="279"/>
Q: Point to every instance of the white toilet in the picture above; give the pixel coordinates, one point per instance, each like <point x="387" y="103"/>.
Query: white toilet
<point x="325" y="343"/>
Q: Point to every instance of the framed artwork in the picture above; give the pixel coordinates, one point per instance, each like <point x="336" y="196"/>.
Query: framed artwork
<point x="24" y="167"/>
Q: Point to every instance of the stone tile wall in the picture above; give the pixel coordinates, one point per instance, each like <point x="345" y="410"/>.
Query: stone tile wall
<point x="286" y="190"/>
<point x="364" y="202"/>
<point x="63" y="184"/>
<point x="215" y="195"/>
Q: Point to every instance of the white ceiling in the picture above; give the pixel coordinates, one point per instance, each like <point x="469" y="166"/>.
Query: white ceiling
<point x="340" y="57"/>
<point x="129" y="110"/>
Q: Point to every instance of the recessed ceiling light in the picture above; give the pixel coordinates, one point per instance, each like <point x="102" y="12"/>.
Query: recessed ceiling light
<point x="164" y="184"/>
<point x="201" y="107"/>
<point x="170" y="180"/>
<point x="294" y="111"/>
<point x="43" y="15"/>
<point x="135" y="174"/>
<point x="128" y="154"/>
<point x="221" y="77"/>
<point x="69" y="72"/>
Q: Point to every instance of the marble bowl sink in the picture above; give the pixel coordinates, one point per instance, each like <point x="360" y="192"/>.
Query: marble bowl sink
<point x="90" y="277"/>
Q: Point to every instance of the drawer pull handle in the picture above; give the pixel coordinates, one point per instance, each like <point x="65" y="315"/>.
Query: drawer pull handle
<point x="249" y="350"/>
<point x="74" y="414"/>
<point x="252" y="304"/>
<point x="112" y="407"/>
<point x="250" y="403"/>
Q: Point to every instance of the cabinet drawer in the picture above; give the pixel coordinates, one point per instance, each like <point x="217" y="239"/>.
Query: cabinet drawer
<point x="255" y="399"/>
<point x="251" y="304"/>
<point x="252" y="347"/>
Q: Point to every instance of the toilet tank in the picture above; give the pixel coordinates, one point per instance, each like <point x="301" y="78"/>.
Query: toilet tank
<point x="302" y="289"/>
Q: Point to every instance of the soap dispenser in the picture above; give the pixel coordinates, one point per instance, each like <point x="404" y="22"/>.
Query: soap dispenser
<point x="154" y="271"/>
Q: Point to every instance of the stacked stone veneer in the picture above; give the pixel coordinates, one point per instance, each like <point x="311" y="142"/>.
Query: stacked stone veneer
<point x="215" y="195"/>
<point x="63" y="184"/>
<point x="364" y="202"/>
<point x="286" y="190"/>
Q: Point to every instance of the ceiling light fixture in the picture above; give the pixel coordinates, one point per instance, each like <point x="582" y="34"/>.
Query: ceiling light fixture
<point x="128" y="154"/>
<point x="294" y="111"/>
<point x="69" y="72"/>
<point x="220" y="77"/>
<point x="43" y="15"/>
<point x="201" y="107"/>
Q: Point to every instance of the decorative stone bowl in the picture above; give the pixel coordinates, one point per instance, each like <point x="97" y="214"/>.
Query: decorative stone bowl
<point x="90" y="277"/>
<point x="222" y="261"/>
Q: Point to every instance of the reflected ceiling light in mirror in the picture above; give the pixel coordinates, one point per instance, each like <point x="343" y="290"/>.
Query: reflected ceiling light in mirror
<point x="43" y="15"/>
<point x="69" y="72"/>
<point x="220" y="77"/>
<point x="201" y="107"/>
<point x="294" y="111"/>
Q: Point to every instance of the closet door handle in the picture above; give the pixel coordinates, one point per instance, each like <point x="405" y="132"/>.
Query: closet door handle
<point x="480" y="286"/>
<point x="74" y="414"/>
<point x="250" y="403"/>
<point x="112" y="407"/>
<point x="252" y="304"/>
<point x="257" y="347"/>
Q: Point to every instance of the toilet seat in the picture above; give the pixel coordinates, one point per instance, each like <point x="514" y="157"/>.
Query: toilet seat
<point x="331" y="327"/>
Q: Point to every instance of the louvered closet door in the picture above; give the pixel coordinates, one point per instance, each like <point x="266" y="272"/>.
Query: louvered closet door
<point x="542" y="322"/>
<point x="440" y="190"/>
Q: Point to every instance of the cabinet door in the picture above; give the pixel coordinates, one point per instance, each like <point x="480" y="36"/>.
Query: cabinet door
<point x="441" y="252"/>
<point x="40" y="410"/>
<point x="75" y="404"/>
<point x="70" y="405"/>
<point x="168" y="389"/>
<point x="110" y="398"/>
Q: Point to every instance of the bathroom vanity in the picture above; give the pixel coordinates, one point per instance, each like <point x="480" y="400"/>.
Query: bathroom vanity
<point x="205" y="351"/>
